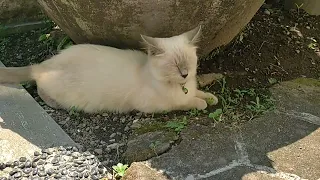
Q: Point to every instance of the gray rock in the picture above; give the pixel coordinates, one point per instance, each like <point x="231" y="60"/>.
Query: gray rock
<point x="141" y="171"/>
<point x="98" y="151"/>
<point x="113" y="135"/>
<point x="113" y="146"/>
<point x="222" y="20"/>
<point x="148" y="145"/>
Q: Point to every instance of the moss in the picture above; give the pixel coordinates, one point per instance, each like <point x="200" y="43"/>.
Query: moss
<point x="307" y="82"/>
<point x="151" y="127"/>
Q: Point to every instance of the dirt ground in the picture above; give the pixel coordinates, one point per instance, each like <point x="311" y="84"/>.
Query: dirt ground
<point x="275" y="46"/>
<point x="279" y="46"/>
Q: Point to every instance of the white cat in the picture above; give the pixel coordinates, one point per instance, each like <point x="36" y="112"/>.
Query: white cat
<point x="96" y="78"/>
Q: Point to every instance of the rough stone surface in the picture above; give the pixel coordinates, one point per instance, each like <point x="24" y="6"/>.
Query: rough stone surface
<point x="25" y="126"/>
<point x="148" y="145"/>
<point x="201" y="150"/>
<point x="120" y="23"/>
<point x="283" y="144"/>
<point x="141" y="171"/>
<point x="207" y="79"/>
<point x="13" y="11"/>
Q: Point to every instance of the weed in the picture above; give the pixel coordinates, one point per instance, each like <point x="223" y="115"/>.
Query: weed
<point x="216" y="115"/>
<point x="240" y="104"/>
<point x="120" y="169"/>
<point x="196" y="112"/>
<point x="74" y="111"/>
<point x="51" y="42"/>
<point x="154" y="145"/>
<point x="299" y="7"/>
<point x="177" y="126"/>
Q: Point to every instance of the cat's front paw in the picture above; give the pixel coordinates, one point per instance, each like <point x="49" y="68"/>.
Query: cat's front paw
<point x="211" y="99"/>
<point x="201" y="104"/>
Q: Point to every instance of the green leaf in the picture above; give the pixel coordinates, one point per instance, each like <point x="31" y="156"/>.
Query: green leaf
<point x="216" y="114"/>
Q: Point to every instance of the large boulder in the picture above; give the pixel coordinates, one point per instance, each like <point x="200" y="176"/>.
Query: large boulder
<point x="119" y="23"/>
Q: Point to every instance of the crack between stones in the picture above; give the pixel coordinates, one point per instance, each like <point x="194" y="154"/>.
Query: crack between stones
<point x="244" y="160"/>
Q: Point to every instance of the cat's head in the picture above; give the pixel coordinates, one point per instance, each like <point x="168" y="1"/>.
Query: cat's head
<point x="173" y="59"/>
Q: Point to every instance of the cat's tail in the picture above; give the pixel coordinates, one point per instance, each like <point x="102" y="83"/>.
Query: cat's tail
<point x="15" y="75"/>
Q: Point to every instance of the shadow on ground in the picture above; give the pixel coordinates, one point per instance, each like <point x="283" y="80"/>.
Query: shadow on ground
<point x="283" y="144"/>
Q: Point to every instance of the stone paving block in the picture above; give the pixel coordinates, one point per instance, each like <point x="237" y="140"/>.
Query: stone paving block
<point x="202" y="149"/>
<point x="25" y="126"/>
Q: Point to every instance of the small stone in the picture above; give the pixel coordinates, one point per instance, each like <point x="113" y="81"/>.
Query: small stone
<point x="98" y="151"/>
<point x="81" y="169"/>
<point x="13" y="171"/>
<point x="297" y="51"/>
<point x="94" y="171"/>
<point x="57" y="176"/>
<point x="113" y="146"/>
<point x="41" y="162"/>
<point x="78" y="161"/>
<point x="55" y="161"/>
<point x="75" y="149"/>
<point x="41" y="168"/>
<point x="17" y="175"/>
<point x="113" y="135"/>
<point x="21" y="166"/>
<point x="100" y="171"/>
<point x="27" y="164"/>
<point x="64" y="172"/>
<point x="34" y="164"/>
<point x="22" y="159"/>
<point x="73" y="174"/>
<point x="2" y="166"/>
<point x="36" y="153"/>
<point x="127" y="128"/>
<point x="86" y="174"/>
<point x="44" y="156"/>
<point x="42" y="173"/>
<point x="105" y="114"/>
<point x="35" y="171"/>
<point x="308" y="27"/>
<point x="50" y="171"/>
<point x="112" y="140"/>
<point x="35" y="159"/>
<point x="75" y="154"/>
<point x="27" y="170"/>
<point x="94" y="177"/>
<point x="61" y="148"/>
<point x="267" y="12"/>
<point x="14" y="164"/>
<point x="136" y="125"/>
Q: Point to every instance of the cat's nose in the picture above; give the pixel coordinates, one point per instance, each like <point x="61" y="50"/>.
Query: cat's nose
<point x="184" y="75"/>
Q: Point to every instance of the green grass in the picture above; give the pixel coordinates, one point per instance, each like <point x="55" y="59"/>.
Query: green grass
<point x="241" y="104"/>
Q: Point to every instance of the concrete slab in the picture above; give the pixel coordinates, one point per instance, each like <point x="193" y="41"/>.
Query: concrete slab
<point x="25" y="126"/>
<point x="283" y="144"/>
<point x="201" y="150"/>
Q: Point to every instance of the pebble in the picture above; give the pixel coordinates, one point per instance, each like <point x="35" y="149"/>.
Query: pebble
<point x="113" y="135"/>
<point x="22" y="159"/>
<point x="53" y="165"/>
<point x="113" y="146"/>
<point x="267" y="12"/>
<point x="98" y="151"/>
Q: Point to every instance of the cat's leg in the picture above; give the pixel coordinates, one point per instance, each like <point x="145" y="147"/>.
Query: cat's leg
<point x="50" y="102"/>
<point x="207" y="96"/>
<point x="194" y="103"/>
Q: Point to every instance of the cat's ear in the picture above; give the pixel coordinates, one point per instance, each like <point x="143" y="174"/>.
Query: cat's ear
<point x="152" y="46"/>
<point x="193" y="35"/>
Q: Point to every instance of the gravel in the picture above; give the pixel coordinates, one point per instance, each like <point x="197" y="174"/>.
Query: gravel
<point x="56" y="163"/>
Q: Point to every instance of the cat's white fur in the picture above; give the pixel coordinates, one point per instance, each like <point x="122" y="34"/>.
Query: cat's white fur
<point x="96" y="78"/>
